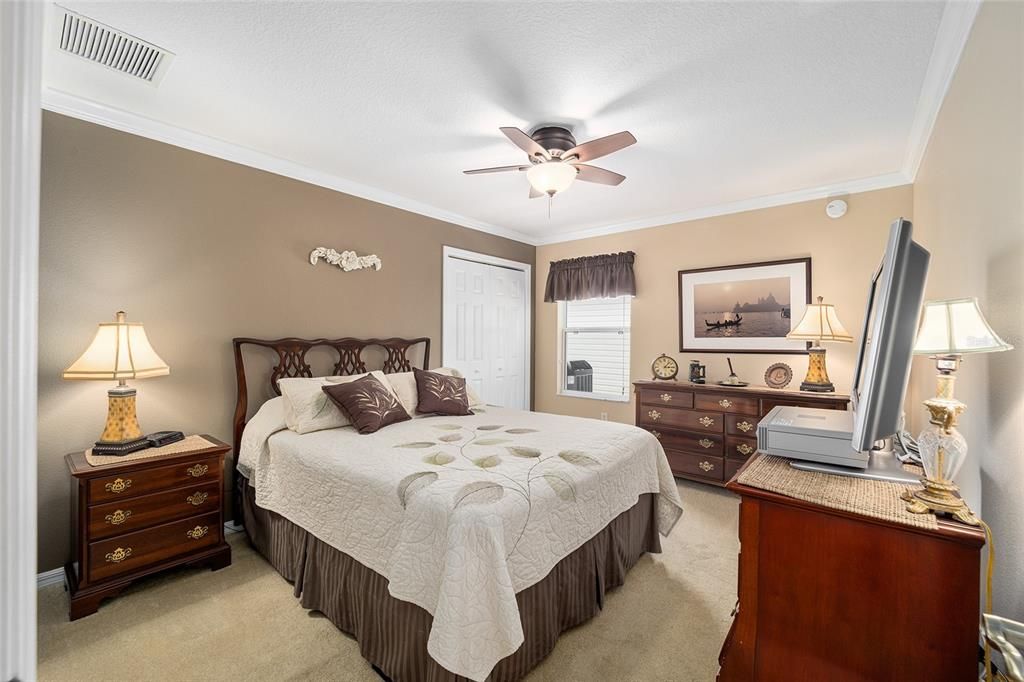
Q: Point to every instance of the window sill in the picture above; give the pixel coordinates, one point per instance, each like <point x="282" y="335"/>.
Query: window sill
<point x="606" y="397"/>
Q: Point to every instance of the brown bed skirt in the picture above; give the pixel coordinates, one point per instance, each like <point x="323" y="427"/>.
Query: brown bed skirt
<point x="392" y="634"/>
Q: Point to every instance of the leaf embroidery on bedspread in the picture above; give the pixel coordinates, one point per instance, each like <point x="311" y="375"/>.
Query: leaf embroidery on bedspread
<point x="413" y="482"/>
<point x="439" y="458"/>
<point x="518" y="481"/>
<point x="479" y="492"/>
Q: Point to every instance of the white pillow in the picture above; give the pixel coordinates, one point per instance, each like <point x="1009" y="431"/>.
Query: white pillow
<point x="307" y="407"/>
<point x="403" y="385"/>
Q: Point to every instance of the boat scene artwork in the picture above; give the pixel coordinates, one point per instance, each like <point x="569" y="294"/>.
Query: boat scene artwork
<point x="742" y="308"/>
<point x="745" y="308"/>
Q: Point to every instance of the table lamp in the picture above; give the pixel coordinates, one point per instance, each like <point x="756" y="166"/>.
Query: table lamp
<point x="949" y="329"/>
<point x="819" y="323"/>
<point x="119" y="351"/>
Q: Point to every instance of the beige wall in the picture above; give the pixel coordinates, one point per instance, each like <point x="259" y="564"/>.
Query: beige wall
<point x="843" y="252"/>
<point x="969" y="205"/>
<point x="202" y="250"/>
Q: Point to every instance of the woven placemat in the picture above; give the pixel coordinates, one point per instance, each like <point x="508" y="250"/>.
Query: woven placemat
<point x="190" y="444"/>
<point x="879" y="499"/>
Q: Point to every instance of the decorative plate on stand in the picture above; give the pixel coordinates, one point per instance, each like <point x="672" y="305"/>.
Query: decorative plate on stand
<point x="778" y="375"/>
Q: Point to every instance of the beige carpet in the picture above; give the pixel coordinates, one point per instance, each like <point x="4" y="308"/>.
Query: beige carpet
<point x="242" y="623"/>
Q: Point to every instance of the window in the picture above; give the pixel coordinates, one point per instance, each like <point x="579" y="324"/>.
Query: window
<point x="594" y="338"/>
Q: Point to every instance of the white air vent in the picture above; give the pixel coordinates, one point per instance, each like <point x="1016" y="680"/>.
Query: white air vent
<point x="99" y="43"/>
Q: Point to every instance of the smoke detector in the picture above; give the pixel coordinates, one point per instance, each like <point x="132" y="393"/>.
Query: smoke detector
<point x="836" y="209"/>
<point x="78" y="35"/>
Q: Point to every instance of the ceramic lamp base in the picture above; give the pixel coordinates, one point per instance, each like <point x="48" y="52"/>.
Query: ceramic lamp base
<point x="122" y="425"/>
<point x="817" y="380"/>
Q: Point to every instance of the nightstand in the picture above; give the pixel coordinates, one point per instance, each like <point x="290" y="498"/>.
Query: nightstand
<point x="134" y="518"/>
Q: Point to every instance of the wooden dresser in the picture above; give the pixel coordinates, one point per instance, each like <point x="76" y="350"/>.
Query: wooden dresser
<point x="709" y="431"/>
<point x="138" y="517"/>
<point x="831" y="595"/>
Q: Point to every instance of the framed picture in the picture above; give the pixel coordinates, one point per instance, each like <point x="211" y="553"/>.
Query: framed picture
<point x="743" y="308"/>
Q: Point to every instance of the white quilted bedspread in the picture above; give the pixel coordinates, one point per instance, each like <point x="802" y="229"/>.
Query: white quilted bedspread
<point x="459" y="513"/>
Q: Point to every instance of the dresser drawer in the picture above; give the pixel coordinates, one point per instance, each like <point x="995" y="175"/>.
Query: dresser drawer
<point x="151" y="480"/>
<point x="731" y="467"/>
<point x="710" y="443"/>
<point x="740" y="425"/>
<point x="703" y="422"/>
<point x="726" y="403"/>
<point x="124" y="553"/>
<point x="740" y="448"/>
<point x="703" y="466"/>
<point x="130" y="514"/>
<point x="650" y="396"/>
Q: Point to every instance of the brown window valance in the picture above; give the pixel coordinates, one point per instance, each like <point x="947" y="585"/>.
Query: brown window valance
<point x="604" y="276"/>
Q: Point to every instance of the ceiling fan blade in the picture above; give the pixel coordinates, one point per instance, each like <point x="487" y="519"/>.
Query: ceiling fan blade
<point x="496" y="169"/>
<point x="525" y="142"/>
<point x="588" y="151"/>
<point x="599" y="175"/>
<point x="534" y="194"/>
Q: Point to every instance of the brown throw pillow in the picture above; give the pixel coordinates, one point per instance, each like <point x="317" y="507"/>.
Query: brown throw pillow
<point x="441" y="394"/>
<point x="368" y="403"/>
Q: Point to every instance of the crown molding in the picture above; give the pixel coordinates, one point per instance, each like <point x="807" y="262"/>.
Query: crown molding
<point x="822" y="192"/>
<point x="87" y="110"/>
<point x="954" y="30"/>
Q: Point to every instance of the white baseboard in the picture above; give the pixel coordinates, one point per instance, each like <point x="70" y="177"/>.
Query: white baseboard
<point x="49" y="578"/>
<point x="57" y="575"/>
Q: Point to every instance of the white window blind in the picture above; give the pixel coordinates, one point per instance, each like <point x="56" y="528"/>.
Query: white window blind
<point x="595" y="333"/>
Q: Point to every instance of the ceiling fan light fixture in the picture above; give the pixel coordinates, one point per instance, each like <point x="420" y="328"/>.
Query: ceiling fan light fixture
<point x="551" y="177"/>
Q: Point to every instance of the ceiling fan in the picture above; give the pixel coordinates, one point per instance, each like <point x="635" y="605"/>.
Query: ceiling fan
<point x="556" y="160"/>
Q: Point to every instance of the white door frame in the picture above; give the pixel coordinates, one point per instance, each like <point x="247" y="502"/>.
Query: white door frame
<point x="21" y="52"/>
<point x="453" y="252"/>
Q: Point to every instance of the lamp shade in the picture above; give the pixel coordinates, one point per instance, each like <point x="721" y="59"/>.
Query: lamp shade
<point x="820" y="323"/>
<point x="955" y="327"/>
<point x="118" y="351"/>
<point x="551" y="177"/>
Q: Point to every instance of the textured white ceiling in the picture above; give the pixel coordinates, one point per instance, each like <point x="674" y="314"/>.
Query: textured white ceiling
<point x="728" y="101"/>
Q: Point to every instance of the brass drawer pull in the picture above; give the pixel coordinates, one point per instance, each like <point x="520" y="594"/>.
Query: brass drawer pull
<point x="667" y="397"/>
<point x="118" y="555"/>
<point x="197" y="532"/>
<point x="707" y="421"/>
<point x="706" y="466"/>
<point x="198" y="470"/>
<point x="725" y="402"/>
<point x="196" y="499"/>
<point x="705" y="443"/>
<point x="654" y="414"/>
<point x="118" y="485"/>
<point x="744" y="426"/>
<point x="656" y="435"/>
<point x="118" y="517"/>
<point x="744" y="448"/>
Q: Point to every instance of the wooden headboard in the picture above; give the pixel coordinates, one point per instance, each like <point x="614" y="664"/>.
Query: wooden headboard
<point x="292" y="362"/>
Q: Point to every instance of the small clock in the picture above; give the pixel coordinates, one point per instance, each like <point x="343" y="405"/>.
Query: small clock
<point x="778" y="375"/>
<point x="664" y="368"/>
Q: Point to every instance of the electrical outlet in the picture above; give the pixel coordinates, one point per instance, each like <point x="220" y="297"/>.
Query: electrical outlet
<point x="604" y="416"/>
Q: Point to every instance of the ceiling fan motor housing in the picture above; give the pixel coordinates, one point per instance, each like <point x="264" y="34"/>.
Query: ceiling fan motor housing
<point x="554" y="138"/>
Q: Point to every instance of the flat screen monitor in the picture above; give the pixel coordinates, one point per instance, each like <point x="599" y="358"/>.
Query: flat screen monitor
<point x="887" y="339"/>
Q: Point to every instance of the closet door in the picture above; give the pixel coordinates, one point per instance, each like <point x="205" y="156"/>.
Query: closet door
<point x="485" y="332"/>
<point x="506" y="337"/>
<point x="465" y="322"/>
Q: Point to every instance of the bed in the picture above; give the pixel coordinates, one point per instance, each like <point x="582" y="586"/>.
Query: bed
<point x="451" y="548"/>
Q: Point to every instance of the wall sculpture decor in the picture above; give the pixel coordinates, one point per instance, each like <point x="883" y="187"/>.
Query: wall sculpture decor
<point x="346" y="260"/>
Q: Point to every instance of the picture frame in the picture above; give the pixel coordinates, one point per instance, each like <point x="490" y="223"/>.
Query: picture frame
<point x="714" y="319"/>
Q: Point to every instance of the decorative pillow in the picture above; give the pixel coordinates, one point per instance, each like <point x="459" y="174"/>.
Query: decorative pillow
<point x="404" y="386"/>
<point x="307" y="409"/>
<point x="368" y="402"/>
<point x="440" y="394"/>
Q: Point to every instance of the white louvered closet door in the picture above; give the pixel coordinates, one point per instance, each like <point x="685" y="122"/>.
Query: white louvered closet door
<point x="485" y="329"/>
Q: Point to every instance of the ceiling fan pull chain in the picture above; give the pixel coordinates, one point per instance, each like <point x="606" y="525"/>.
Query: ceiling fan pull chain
<point x="551" y="198"/>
